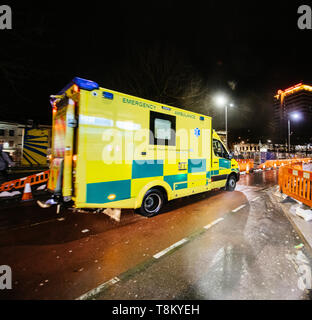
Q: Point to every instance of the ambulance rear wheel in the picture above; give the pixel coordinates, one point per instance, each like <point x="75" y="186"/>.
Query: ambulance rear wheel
<point x="231" y="183"/>
<point x="152" y="203"/>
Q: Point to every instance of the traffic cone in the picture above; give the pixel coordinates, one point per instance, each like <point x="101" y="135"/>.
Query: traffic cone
<point x="27" y="195"/>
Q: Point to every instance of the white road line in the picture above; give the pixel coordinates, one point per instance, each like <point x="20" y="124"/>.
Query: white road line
<point x="255" y="199"/>
<point x="213" y="223"/>
<point x="39" y="223"/>
<point x="26" y="226"/>
<point x="99" y="288"/>
<point x="238" y="208"/>
<point x="161" y="253"/>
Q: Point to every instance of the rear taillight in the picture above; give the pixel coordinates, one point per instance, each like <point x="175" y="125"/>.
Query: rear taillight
<point x="74" y="167"/>
<point x="54" y="108"/>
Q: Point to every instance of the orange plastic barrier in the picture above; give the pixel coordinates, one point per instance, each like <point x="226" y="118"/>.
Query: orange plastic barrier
<point x="245" y="164"/>
<point x="285" y="162"/>
<point x="20" y="183"/>
<point x="296" y="183"/>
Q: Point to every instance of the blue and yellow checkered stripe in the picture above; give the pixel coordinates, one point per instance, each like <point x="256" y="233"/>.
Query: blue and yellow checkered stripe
<point x="144" y="171"/>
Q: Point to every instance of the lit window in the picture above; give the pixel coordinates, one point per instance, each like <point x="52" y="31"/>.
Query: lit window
<point x="162" y="129"/>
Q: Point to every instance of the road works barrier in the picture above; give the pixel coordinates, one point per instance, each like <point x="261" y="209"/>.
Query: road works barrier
<point x="296" y="183"/>
<point x="245" y="164"/>
<point x="34" y="179"/>
<point x="271" y="164"/>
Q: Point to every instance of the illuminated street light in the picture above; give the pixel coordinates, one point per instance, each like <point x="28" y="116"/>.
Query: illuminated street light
<point x="222" y="101"/>
<point x="295" y="115"/>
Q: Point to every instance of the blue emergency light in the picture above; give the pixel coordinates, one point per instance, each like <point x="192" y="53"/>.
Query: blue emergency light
<point x="85" y="84"/>
<point x="81" y="83"/>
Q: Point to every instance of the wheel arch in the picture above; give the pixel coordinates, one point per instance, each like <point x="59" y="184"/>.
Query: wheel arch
<point x="235" y="174"/>
<point x="160" y="185"/>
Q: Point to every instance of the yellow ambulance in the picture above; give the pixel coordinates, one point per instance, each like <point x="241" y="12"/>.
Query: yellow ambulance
<point x="113" y="150"/>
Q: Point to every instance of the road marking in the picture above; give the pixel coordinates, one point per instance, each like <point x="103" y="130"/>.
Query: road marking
<point x="238" y="208"/>
<point x="5" y="229"/>
<point x="39" y="223"/>
<point x="255" y="199"/>
<point x="98" y="289"/>
<point x="94" y="292"/>
<point x="213" y="223"/>
<point x="177" y="244"/>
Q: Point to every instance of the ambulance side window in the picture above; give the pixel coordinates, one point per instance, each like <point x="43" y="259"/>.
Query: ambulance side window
<point x="162" y="129"/>
<point x="219" y="150"/>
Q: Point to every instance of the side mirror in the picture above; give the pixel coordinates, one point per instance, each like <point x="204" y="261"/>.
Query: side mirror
<point x="230" y="156"/>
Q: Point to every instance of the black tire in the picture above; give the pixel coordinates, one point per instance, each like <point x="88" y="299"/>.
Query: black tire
<point x="152" y="203"/>
<point x="231" y="183"/>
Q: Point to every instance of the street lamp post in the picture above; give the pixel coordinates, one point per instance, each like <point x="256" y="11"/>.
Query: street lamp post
<point x="226" y="129"/>
<point x="288" y="135"/>
<point x="222" y="101"/>
<point x="295" y="116"/>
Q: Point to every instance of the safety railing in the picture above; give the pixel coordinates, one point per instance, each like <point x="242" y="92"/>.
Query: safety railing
<point x="296" y="183"/>
<point x="20" y="183"/>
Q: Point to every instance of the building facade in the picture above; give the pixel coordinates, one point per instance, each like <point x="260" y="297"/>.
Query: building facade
<point x="294" y="105"/>
<point x="11" y="136"/>
<point x="243" y="148"/>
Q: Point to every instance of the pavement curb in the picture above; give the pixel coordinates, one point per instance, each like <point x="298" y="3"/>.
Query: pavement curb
<point x="307" y="243"/>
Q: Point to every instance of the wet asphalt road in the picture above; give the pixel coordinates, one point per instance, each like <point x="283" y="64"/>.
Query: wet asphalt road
<point x="246" y="255"/>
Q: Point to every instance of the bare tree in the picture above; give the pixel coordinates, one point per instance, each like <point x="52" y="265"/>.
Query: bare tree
<point x="163" y="74"/>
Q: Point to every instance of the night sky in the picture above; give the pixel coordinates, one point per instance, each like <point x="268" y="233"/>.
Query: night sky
<point x="179" y="53"/>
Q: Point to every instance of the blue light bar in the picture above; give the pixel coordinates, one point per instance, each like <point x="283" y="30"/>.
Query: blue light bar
<point x="201" y="118"/>
<point x="108" y="95"/>
<point x="85" y="84"/>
